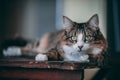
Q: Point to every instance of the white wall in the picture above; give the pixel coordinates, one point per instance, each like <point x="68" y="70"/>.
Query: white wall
<point x="82" y="10"/>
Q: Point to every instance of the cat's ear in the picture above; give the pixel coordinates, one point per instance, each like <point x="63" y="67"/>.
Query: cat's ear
<point x="94" y="22"/>
<point x="67" y="23"/>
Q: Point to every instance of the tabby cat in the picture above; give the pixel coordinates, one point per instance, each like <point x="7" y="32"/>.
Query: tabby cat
<point x="76" y="42"/>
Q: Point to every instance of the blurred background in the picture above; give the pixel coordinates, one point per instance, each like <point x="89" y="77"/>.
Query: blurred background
<point x="32" y="18"/>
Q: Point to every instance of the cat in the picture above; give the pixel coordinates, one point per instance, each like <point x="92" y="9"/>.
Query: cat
<point x="80" y="42"/>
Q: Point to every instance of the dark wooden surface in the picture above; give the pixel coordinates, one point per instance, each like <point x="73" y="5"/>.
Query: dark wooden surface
<point x="40" y="74"/>
<point x="22" y="68"/>
<point x="30" y="63"/>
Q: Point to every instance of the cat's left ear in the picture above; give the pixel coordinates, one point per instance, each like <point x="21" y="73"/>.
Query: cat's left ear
<point x="67" y="23"/>
<point x="94" y="22"/>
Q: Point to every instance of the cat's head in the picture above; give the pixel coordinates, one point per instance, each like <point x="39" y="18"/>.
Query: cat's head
<point x="82" y="36"/>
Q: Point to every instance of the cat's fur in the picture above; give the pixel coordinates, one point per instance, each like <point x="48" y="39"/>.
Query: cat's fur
<point x="76" y="42"/>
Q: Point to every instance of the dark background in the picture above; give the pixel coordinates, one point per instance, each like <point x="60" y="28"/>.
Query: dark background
<point x="16" y="17"/>
<point x="113" y="33"/>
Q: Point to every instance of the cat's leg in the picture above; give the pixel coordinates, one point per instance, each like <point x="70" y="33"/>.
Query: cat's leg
<point x="51" y="55"/>
<point x="41" y="57"/>
<point x="12" y="51"/>
<point x="20" y="51"/>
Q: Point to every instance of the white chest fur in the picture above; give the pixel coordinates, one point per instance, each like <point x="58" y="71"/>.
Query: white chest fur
<point x="72" y="54"/>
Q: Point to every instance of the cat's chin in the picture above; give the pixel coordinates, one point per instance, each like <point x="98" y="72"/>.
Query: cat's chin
<point x="79" y="50"/>
<point x="82" y="51"/>
<point x="77" y="57"/>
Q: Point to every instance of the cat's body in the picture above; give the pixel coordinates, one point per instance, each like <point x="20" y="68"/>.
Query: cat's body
<point x="76" y="42"/>
<point x="54" y="45"/>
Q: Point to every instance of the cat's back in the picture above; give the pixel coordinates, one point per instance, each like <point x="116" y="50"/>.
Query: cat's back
<point x="55" y="37"/>
<point x="50" y="40"/>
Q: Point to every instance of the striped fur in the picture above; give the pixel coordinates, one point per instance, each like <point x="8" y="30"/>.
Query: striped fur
<point x="76" y="42"/>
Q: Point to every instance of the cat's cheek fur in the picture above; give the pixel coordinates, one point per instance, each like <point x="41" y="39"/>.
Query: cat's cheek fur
<point x="41" y="57"/>
<point x="86" y="46"/>
<point x="68" y="49"/>
<point x="96" y="51"/>
<point x="75" y="46"/>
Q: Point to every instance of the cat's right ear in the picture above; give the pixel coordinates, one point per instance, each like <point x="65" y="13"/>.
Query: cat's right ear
<point x="67" y="23"/>
<point x="94" y="22"/>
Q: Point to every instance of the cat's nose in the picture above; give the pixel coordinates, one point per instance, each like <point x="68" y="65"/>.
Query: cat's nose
<point x="80" y="47"/>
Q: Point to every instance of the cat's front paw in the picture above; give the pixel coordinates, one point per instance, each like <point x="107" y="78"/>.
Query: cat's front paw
<point x="41" y="57"/>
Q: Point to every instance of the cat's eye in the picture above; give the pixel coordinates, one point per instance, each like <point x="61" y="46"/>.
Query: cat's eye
<point x="74" y="38"/>
<point x="89" y="38"/>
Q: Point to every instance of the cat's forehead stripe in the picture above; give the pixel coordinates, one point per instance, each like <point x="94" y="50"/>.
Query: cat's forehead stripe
<point x="80" y="36"/>
<point x="79" y="26"/>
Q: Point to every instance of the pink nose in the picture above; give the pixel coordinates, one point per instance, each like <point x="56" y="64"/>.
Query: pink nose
<point x="80" y="47"/>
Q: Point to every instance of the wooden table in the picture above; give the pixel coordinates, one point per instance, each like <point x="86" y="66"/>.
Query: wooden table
<point x="17" y="68"/>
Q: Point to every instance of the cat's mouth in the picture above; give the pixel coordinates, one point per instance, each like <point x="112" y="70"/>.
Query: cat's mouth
<point x="80" y="50"/>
